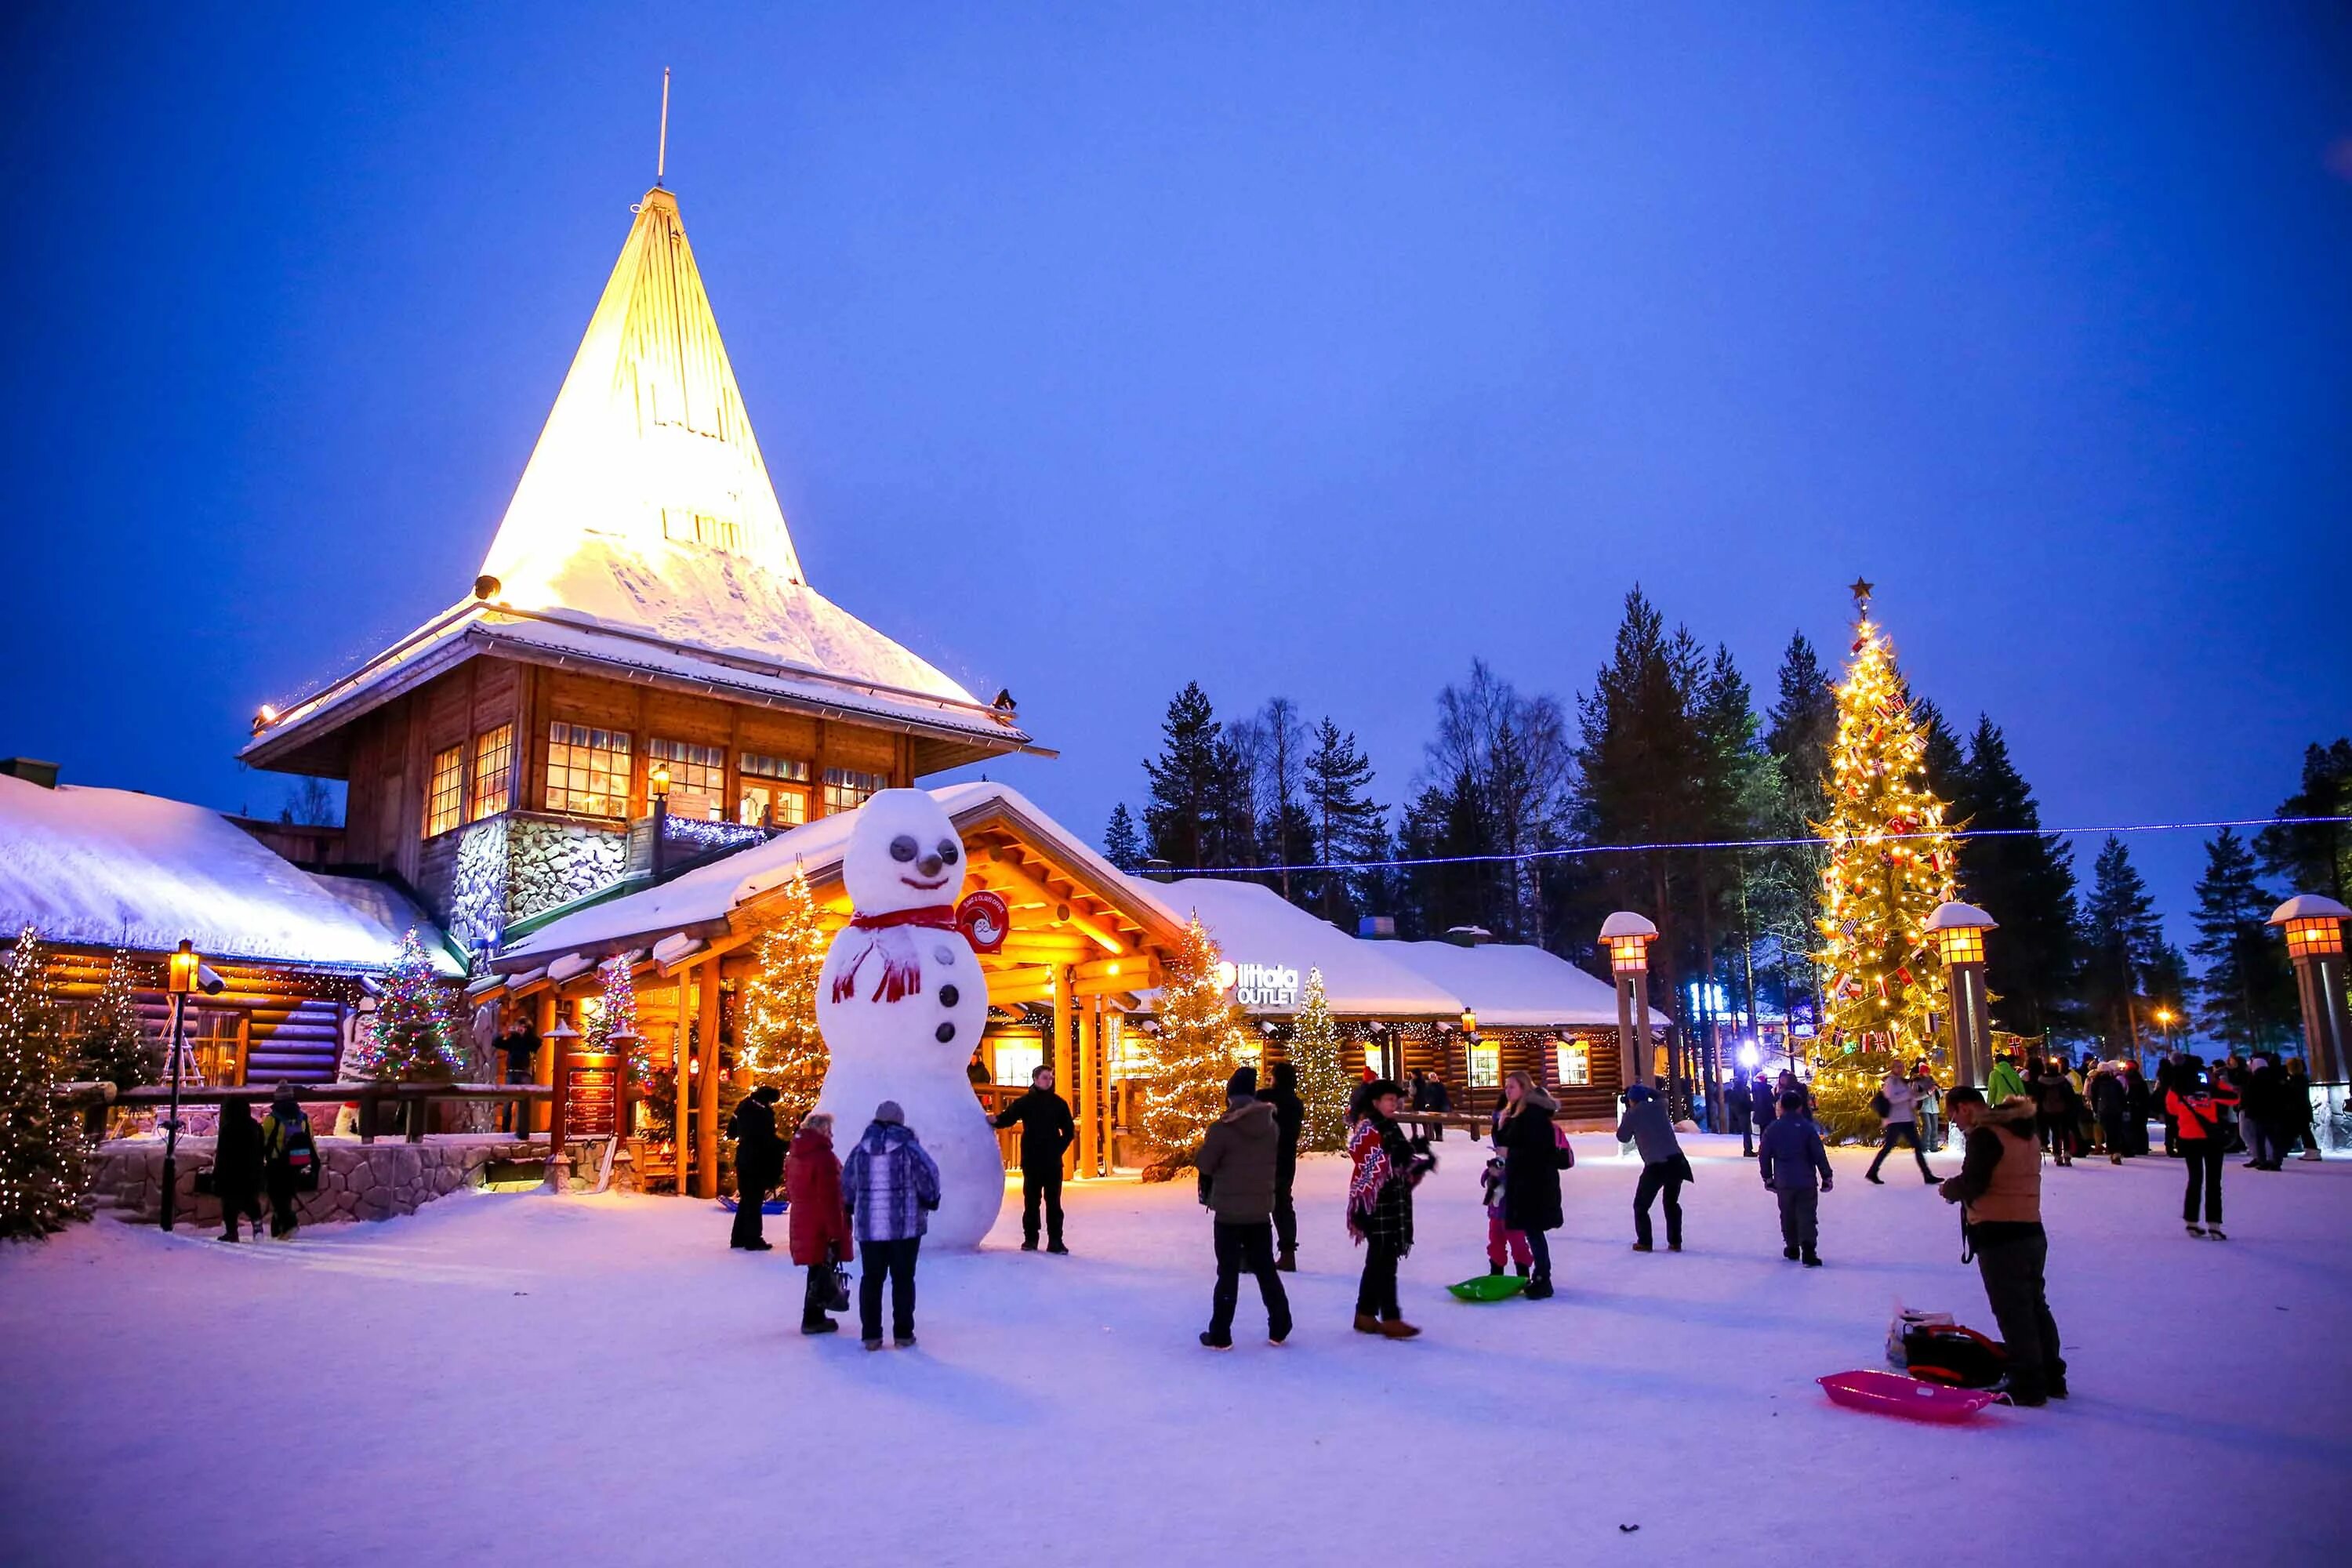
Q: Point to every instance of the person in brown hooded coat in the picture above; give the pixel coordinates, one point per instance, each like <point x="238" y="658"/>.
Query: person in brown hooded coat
<point x="1236" y="1165"/>
<point x="1999" y="1190"/>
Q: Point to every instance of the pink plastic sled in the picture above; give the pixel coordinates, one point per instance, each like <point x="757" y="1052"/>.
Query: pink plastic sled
<point x="1891" y="1394"/>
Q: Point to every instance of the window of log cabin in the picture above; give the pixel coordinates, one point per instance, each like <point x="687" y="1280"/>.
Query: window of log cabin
<point x="1574" y="1060"/>
<point x="445" y="802"/>
<point x="697" y="777"/>
<point x="587" y="770"/>
<point x="846" y="790"/>
<point x="216" y="1046"/>
<point x="493" y="772"/>
<point x="1017" y="1055"/>
<point x="1485" y="1065"/>
<point x="774" y="791"/>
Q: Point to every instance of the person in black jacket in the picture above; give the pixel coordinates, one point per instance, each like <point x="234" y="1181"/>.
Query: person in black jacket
<point x="758" y="1165"/>
<point x="1290" y="1118"/>
<point x="1736" y="1102"/>
<point x="1531" y="1167"/>
<point x="1044" y="1117"/>
<point x="237" y="1168"/>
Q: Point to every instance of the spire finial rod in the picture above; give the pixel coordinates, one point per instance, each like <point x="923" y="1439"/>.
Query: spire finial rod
<point x="661" y="153"/>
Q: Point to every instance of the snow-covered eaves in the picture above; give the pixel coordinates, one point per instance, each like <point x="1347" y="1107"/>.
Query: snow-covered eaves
<point x="111" y="867"/>
<point x="1254" y="924"/>
<point x="1512" y="986"/>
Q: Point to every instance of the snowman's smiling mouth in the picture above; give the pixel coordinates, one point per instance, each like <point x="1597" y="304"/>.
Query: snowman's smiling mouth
<point x="931" y="887"/>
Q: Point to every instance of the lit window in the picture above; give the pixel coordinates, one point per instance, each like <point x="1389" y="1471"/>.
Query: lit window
<point x="1372" y="1059"/>
<point x="587" y="770"/>
<point x="1486" y="1065"/>
<point x="493" y="771"/>
<point x="444" y="802"/>
<point x="774" y="791"/>
<point x="846" y="790"/>
<point x="1574" y="1060"/>
<point x="698" y="776"/>
<point x="1016" y="1059"/>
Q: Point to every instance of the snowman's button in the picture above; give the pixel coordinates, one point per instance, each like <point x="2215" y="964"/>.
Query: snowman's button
<point x="943" y="956"/>
<point x="947" y="994"/>
<point x="947" y="1033"/>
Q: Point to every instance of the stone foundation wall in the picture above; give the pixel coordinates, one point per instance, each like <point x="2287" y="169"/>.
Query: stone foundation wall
<point x="552" y="861"/>
<point x="356" y="1180"/>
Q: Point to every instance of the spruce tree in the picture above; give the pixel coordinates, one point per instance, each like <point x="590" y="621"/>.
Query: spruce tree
<point x="410" y="1039"/>
<point x="1319" y="1054"/>
<point x="41" y="1151"/>
<point x="2314" y="857"/>
<point x="1346" y="824"/>
<point x="1122" y="846"/>
<point x="114" y="1048"/>
<point x="2025" y="880"/>
<point x="1890" y="862"/>
<point x="776" y="1037"/>
<point x="1200" y="1040"/>
<point x="1801" y="725"/>
<point x="1180" y="818"/>
<point x="2246" y="996"/>
<point x="2123" y="947"/>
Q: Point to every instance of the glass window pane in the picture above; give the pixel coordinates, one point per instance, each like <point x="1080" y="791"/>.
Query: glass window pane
<point x="493" y="771"/>
<point x="446" y="799"/>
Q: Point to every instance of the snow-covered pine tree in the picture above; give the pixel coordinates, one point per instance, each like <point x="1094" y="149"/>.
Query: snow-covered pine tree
<point x="41" y="1151"/>
<point x="113" y="1048"/>
<point x="1890" y="861"/>
<point x="1122" y="844"/>
<point x="1317" y="1053"/>
<point x="1198" y="1042"/>
<point x="776" y="1035"/>
<point x="411" y="1038"/>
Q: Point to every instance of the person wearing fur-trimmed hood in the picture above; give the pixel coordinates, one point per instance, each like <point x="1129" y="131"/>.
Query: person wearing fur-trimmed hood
<point x="1533" y="1154"/>
<point x="1999" y="1190"/>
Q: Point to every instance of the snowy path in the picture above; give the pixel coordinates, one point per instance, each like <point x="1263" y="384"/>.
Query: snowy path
<point x="600" y="1380"/>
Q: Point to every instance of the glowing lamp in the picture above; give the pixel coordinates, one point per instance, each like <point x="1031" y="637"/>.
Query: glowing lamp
<point x="185" y="967"/>
<point x="2316" y="935"/>
<point x="1958" y="930"/>
<point x="1469" y="1020"/>
<point x="561" y="1035"/>
<point x="657" y="782"/>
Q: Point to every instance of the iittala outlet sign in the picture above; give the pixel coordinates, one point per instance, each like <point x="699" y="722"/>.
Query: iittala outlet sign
<point x="1272" y="987"/>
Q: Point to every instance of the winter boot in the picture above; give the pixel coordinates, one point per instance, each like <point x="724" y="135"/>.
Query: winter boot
<point x="1812" y="1258"/>
<point x="2195" y="1229"/>
<point x="1872" y="1177"/>
<point x="1641" y="1247"/>
<point x="1493" y="1268"/>
<point x="819" y="1326"/>
<point x="1539" y="1289"/>
<point x="1367" y="1324"/>
<point x="1518" y="1268"/>
<point x="1278" y="1329"/>
<point x="1790" y="1252"/>
<point x="1398" y="1329"/>
<point x="2213" y="1229"/>
<point x="873" y="1344"/>
<point x="1212" y="1340"/>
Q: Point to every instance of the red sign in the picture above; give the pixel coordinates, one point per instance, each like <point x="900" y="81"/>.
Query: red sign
<point x="984" y="919"/>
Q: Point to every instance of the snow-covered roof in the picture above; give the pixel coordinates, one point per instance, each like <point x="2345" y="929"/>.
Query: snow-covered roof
<point x="645" y="534"/>
<point x="114" y="867"/>
<point x="1254" y="924"/>
<point x="708" y="896"/>
<point x="2308" y="907"/>
<point x="1513" y="986"/>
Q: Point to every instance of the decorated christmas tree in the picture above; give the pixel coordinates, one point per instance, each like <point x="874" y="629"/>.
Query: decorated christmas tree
<point x="775" y="1021"/>
<point x="114" y="1048"/>
<point x="410" y="1039"/>
<point x="1200" y="1041"/>
<point x="41" y="1149"/>
<point x="1890" y="863"/>
<point x="1324" y="1081"/>
<point x="613" y="1026"/>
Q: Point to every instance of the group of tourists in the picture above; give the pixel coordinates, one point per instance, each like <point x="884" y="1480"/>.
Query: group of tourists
<point x="276" y="1155"/>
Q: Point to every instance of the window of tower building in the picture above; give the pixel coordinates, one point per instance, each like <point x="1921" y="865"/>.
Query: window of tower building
<point x="697" y="777"/>
<point x="445" y="802"/>
<point x="773" y="791"/>
<point x="493" y="771"/>
<point x="587" y="770"/>
<point x="846" y="790"/>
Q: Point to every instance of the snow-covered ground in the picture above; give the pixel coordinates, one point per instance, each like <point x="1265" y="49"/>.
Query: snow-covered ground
<point x="602" y="1380"/>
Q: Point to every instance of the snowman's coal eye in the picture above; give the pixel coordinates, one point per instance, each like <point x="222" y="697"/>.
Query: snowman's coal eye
<point x="949" y="850"/>
<point x="902" y="848"/>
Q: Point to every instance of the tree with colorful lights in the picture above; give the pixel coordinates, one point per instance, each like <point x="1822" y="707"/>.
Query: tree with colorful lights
<point x="113" y="1047"/>
<point x="1324" y="1081"/>
<point x="614" y="1024"/>
<point x="1201" y="1038"/>
<point x="411" y="1038"/>
<point x="776" y="1037"/>
<point x="41" y="1151"/>
<point x="1890" y="860"/>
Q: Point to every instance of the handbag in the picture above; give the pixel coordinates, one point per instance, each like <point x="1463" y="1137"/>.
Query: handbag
<point x="839" y="1301"/>
<point x="1564" y="1152"/>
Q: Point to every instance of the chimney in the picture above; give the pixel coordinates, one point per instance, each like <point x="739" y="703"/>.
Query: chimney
<point x="42" y="773"/>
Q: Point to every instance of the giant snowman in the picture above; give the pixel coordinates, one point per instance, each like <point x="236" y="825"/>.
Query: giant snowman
<point x="901" y="1003"/>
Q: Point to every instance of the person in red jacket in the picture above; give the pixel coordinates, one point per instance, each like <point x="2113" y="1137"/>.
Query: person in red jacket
<point x="816" y="1220"/>
<point x="2199" y="1109"/>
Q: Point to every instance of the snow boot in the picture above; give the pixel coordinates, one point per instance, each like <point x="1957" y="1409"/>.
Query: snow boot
<point x="1278" y="1329"/>
<point x="1216" y="1341"/>
<point x="873" y="1344"/>
<point x="2195" y="1229"/>
<point x="1789" y="1253"/>
<point x="1288" y="1262"/>
<point x="1812" y="1258"/>
<point x="1641" y="1247"/>
<point x="819" y="1326"/>
<point x="1539" y="1289"/>
<point x="1493" y="1269"/>
<point x="1518" y="1268"/>
<point x="1367" y="1324"/>
<point x="2214" y="1229"/>
<point x="1872" y="1177"/>
<point x="1028" y="1244"/>
<point x="1398" y="1329"/>
<point x="1058" y="1249"/>
<point x="906" y="1345"/>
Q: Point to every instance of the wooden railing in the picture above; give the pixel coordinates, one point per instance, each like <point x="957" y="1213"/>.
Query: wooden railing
<point x="371" y="1098"/>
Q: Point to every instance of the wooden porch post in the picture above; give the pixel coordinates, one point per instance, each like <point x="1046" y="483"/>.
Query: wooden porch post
<point x="706" y="1137"/>
<point x="1059" y="1056"/>
<point x="543" y="1061"/>
<point x="1089" y="1035"/>
<point x="681" y="1059"/>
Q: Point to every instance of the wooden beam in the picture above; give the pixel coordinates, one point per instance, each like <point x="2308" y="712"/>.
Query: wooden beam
<point x="1089" y="1086"/>
<point x="1059" y="903"/>
<point x="683" y="1089"/>
<point x="706" y="1136"/>
<point x="1058" y="1056"/>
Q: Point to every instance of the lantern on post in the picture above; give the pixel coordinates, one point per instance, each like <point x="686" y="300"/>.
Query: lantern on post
<point x="2314" y="929"/>
<point x="658" y="786"/>
<point x="1628" y="937"/>
<point x="559" y="1060"/>
<point x="1958" y="930"/>
<point x="182" y="984"/>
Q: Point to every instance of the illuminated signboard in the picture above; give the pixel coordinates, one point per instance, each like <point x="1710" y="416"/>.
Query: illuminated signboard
<point x="1273" y="986"/>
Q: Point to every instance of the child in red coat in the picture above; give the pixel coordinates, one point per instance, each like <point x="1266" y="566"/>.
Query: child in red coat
<point x="816" y="1220"/>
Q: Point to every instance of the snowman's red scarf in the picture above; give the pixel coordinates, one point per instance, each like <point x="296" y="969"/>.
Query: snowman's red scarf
<point x="902" y="963"/>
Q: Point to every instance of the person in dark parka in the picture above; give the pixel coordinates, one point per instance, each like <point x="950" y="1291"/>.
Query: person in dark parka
<point x="1760" y="1107"/>
<point x="1236" y="1165"/>
<point x="1531" y="1167"/>
<point x="1738" y="1102"/>
<point x="237" y="1168"/>
<point x="1790" y="1157"/>
<point x="1289" y="1121"/>
<point x="1664" y="1166"/>
<point x="758" y="1165"/>
<point x="1046" y="1130"/>
<point x="290" y="1160"/>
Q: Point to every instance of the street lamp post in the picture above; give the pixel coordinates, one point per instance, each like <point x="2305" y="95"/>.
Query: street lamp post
<point x="657" y="785"/>
<point x="1628" y="936"/>
<point x="559" y="1060"/>
<point x="2314" y="929"/>
<point x="1958" y="930"/>
<point x="183" y="983"/>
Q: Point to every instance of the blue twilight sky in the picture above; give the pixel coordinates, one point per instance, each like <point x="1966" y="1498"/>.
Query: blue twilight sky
<point x="1310" y="350"/>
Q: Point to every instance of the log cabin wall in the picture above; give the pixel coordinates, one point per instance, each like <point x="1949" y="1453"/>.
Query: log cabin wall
<point x="266" y="1026"/>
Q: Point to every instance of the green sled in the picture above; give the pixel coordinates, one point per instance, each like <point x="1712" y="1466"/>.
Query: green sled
<point x="1489" y="1287"/>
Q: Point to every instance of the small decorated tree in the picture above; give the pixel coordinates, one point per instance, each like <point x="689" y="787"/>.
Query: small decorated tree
<point x="411" y="1038"/>
<point x="114" y="1048"/>
<point x="1200" y="1040"/>
<point x="1324" y="1082"/>
<point x="1891" y="860"/>
<point x="776" y="1037"/>
<point x="41" y="1151"/>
